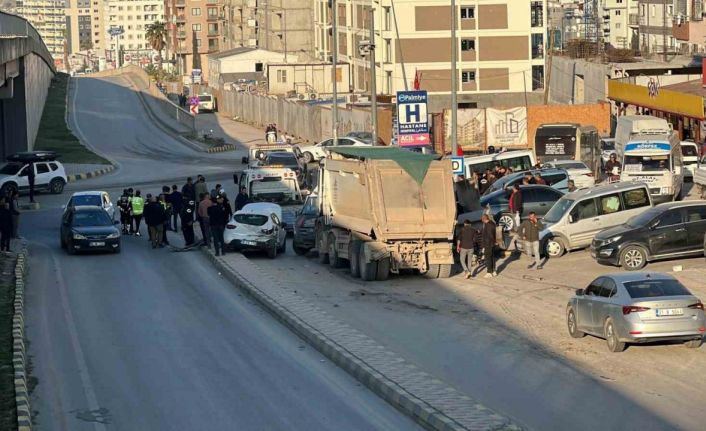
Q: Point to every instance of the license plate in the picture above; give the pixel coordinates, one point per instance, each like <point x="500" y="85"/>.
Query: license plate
<point x="670" y="312"/>
<point x="244" y="242"/>
<point x="96" y="244"/>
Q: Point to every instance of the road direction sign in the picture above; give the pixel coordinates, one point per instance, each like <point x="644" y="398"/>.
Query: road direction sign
<point x="194" y="109"/>
<point x="116" y="31"/>
<point x="412" y="122"/>
<point x="457" y="166"/>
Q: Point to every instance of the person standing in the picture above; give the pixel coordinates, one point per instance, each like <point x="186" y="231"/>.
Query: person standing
<point x="226" y="205"/>
<point x="529" y="233"/>
<point x="242" y="199"/>
<point x="15" y="213"/>
<point x="138" y="208"/>
<point x="167" y="214"/>
<point x="488" y="240"/>
<point x="571" y="186"/>
<point x="124" y="207"/>
<point x="515" y="203"/>
<point x="217" y="220"/>
<point x="177" y="201"/>
<point x="5" y="225"/>
<point x="465" y="246"/>
<point x="539" y="180"/>
<point x="187" y="222"/>
<point x="201" y="186"/>
<point x="204" y="222"/>
<point x="30" y="178"/>
<point x="154" y="218"/>
<point x="130" y="195"/>
<point x="215" y="192"/>
<point x="189" y="190"/>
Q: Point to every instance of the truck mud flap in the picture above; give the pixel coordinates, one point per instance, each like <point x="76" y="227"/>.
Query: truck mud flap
<point x="374" y="251"/>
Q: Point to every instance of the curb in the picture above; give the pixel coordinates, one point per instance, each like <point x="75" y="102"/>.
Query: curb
<point x="221" y="148"/>
<point x="97" y="173"/>
<point x="442" y="409"/>
<point x="22" y="400"/>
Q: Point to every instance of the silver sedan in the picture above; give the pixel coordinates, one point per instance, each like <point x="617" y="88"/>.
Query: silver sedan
<point x="636" y="308"/>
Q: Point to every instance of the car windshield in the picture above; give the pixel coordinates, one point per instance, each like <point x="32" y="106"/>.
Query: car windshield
<point x="278" y="190"/>
<point x="496" y="198"/>
<point x="10" y="169"/>
<point x="642" y="219"/>
<point x="288" y="160"/>
<point x="689" y="150"/>
<point x="91" y="218"/>
<point x="86" y="200"/>
<point x="652" y="288"/>
<point x="608" y="145"/>
<point x="204" y="98"/>
<point x="558" y="210"/>
<point x="646" y="163"/>
<point x="251" y="219"/>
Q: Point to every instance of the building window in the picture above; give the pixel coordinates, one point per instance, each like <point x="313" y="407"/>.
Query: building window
<point x="195" y="27"/>
<point x="198" y="42"/>
<point x="468" y="45"/>
<point x="388" y="18"/>
<point x="212" y="11"/>
<point x="468" y="12"/>
<point x="617" y="26"/>
<point x="468" y="76"/>
<point x="259" y="67"/>
<point x="282" y="76"/>
<point x="617" y="13"/>
<point x="654" y="11"/>
<point x="537" y="14"/>
<point x="195" y="11"/>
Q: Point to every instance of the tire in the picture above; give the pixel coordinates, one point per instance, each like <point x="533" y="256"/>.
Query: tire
<point x="445" y="270"/>
<point x="333" y="260"/>
<point x="308" y="157"/>
<point x="354" y="258"/>
<point x="633" y="258"/>
<point x="300" y="251"/>
<point x="554" y="247"/>
<point x="272" y="252"/>
<point x="507" y="220"/>
<point x="433" y="271"/>
<point x="383" y="272"/>
<point x="323" y="253"/>
<point x="8" y="188"/>
<point x="56" y="186"/>
<point x="70" y="248"/>
<point x="572" y="325"/>
<point x="694" y="344"/>
<point x="611" y="337"/>
<point x="368" y="270"/>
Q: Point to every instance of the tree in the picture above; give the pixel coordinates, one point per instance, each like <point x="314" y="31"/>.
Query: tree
<point x="156" y="34"/>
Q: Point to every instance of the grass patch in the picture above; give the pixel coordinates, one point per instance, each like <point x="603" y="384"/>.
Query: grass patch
<point x="8" y="411"/>
<point x="54" y="134"/>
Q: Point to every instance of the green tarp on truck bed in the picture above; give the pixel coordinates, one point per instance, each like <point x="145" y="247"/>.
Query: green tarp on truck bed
<point x="415" y="164"/>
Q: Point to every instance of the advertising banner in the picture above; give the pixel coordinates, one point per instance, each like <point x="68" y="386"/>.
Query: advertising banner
<point x="506" y="128"/>
<point x="470" y="129"/>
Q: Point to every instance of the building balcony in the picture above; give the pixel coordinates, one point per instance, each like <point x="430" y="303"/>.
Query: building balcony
<point x="634" y="20"/>
<point x="213" y="33"/>
<point x="180" y="3"/>
<point x="212" y="18"/>
<point x="180" y="19"/>
<point x="181" y="35"/>
<point x="681" y="31"/>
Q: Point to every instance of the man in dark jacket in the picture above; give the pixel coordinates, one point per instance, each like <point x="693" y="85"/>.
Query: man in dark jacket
<point x="124" y="206"/>
<point x="187" y="221"/>
<point x="5" y="225"/>
<point x="467" y="237"/>
<point x="189" y="190"/>
<point x="242" y="199"/>
<point x="176" y="199"/>
<point x="529" y="233"/>
<point x="30" y="178"/>
<point x="488" y="240"/>
<point x="154" y="217"/>
<point x="218" y="220"/>
<point x="515" y="203"/>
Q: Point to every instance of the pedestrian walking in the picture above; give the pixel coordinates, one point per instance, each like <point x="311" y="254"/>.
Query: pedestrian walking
<point x="187" y="222"/>
<point x="124" y="207"/>
<point x="467" y="237"/>
<point x="15" y="213"/>
<point x="515" y="203"/>
<point x="201" y="186"/>
<point x="177" y="200"/>
<point x="529" y="233"/>
<point x="5" y="224"/>
<point x="167" y="214"/>
<point x="204" y="222"/>
<point x="154" y="218"/>
<point x="488" y="240"/>
<point x="30" y="179"/>
<point x="242" y="199"/>
<point x="138" y="208"/>
<point x="189" y="190"/>
<point x="131" y="194"/>
<point x="217" y="220"/>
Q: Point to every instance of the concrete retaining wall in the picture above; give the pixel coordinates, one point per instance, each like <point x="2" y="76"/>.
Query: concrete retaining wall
<point x="37" y="80"/>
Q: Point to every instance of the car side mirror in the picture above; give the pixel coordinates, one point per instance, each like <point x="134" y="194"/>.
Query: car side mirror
<point x="579" y="292"/>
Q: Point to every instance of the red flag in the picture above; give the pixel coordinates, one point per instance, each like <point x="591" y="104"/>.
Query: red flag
<point x="459" y="150"/>
<point x="417" y="80"/>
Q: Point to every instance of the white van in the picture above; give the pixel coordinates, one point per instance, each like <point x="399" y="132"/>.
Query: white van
<point x="690" y="158"/>
<point x="574" y="219"/>
<point x="207" y="103"/>
<point x="518" y="160"/>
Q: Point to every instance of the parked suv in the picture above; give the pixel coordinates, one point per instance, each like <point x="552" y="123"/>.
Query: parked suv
<point x="49" y="173"/>
<point x="577" y="217"/>
<point x="556" y="178"/>
<point x="669" y="230"/>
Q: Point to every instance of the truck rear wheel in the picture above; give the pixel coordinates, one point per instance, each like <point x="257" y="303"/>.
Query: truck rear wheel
<point x="383" y="272"/>
<point x="445" y="270"/>
<point x="433" y="271"/>
<point x="368" y="270"/>
<point x="333" y="260"/>
<point x="353" y="258"/>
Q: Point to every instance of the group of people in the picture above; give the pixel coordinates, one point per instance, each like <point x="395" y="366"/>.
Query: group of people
<point x="9" y="219"/>
<point x="172" y="207"/>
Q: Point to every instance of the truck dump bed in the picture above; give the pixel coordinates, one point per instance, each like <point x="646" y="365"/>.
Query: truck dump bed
<point x="388" y="193"/>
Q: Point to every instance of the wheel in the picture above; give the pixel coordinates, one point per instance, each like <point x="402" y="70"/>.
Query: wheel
<point x="572" y="325"/>
<point x="694" y="344"/>
<point x="445" y="270"/>
<point x="611" y="338"/>
<point x="333" y="260"/>
<point x="56" y="186"/>
<point x="633" y="258"/>
<point x="308" y="157"/>
<point x="368" y="270"/>
<point x="554" y="247"/>
<point x="507" y="221"/>
<point x="383" y="272"/>
<point x="300" y="251"/>
<point x="272" y="252"/>
<point x="70" y="248"/>
<point x="353" y="258"/>
<point x="8" y="189"/>
<point x="323" y="252"/>
<point x="433" y="271"/>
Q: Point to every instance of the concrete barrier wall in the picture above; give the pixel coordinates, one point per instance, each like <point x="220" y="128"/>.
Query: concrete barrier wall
<point x="37" y="80"/>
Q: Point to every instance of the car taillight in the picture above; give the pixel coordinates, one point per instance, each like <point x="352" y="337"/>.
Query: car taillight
<point x="230" y="226"/>
<point x="633" y="309"/>
<point x="698" y="306"/>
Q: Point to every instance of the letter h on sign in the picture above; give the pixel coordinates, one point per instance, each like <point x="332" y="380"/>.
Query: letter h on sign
<point x="413" y="111"/>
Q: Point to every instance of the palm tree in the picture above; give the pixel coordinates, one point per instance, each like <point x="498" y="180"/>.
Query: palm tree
<point x="156" y="34"/>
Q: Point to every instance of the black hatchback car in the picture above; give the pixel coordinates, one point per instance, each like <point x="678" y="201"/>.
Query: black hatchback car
<point x="669" y="230"/>
<point x="89" y="229"/>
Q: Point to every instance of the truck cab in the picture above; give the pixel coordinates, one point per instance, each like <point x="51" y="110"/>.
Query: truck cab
<point x="275" y="185"/>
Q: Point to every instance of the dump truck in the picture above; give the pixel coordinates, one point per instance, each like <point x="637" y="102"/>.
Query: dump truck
<point x="383" y="210"/>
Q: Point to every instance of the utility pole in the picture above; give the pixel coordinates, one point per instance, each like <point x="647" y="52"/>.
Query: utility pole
<point x="373" y="80"/>
<point x="454" y="82"/>
<point x="334" y="69"/>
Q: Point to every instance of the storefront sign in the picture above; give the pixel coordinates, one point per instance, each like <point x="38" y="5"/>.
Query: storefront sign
<point x="674" y="102"/>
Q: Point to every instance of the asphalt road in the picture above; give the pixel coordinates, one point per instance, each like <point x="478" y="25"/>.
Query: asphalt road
<point x="157" y="340"/>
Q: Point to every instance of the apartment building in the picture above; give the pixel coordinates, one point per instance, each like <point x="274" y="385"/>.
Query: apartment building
<point x="48" y="17"/>
<point x="284" y="26"/>
<point x="134" y="16"/>
<point x="620" y="23"/>
<point x="84" y="25"/>
<point x="500" y="47"/>
<point x="689" y="27"/>
<point x="194" y="30"/>
<point x="656" y="17"/>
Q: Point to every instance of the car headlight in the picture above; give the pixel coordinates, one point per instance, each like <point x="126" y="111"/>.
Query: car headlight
<point x="113" y="235"/>
<point x="612" y="240"/>
<point x="78" y="236"/>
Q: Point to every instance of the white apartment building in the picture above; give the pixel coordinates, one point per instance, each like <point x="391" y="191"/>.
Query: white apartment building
<point x="620" y="23"/>
<point x="48" y="17"/>
<point x="133" y="16"/>
<point x="84" y="25"/>
<point x="656" y="18"/>
<point x="500" y="47"/>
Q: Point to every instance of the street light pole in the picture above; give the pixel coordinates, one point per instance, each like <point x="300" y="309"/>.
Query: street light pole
<point x="334" y="57"/>
<point x="373" y="80"/>
<point x="454" y="81"/>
